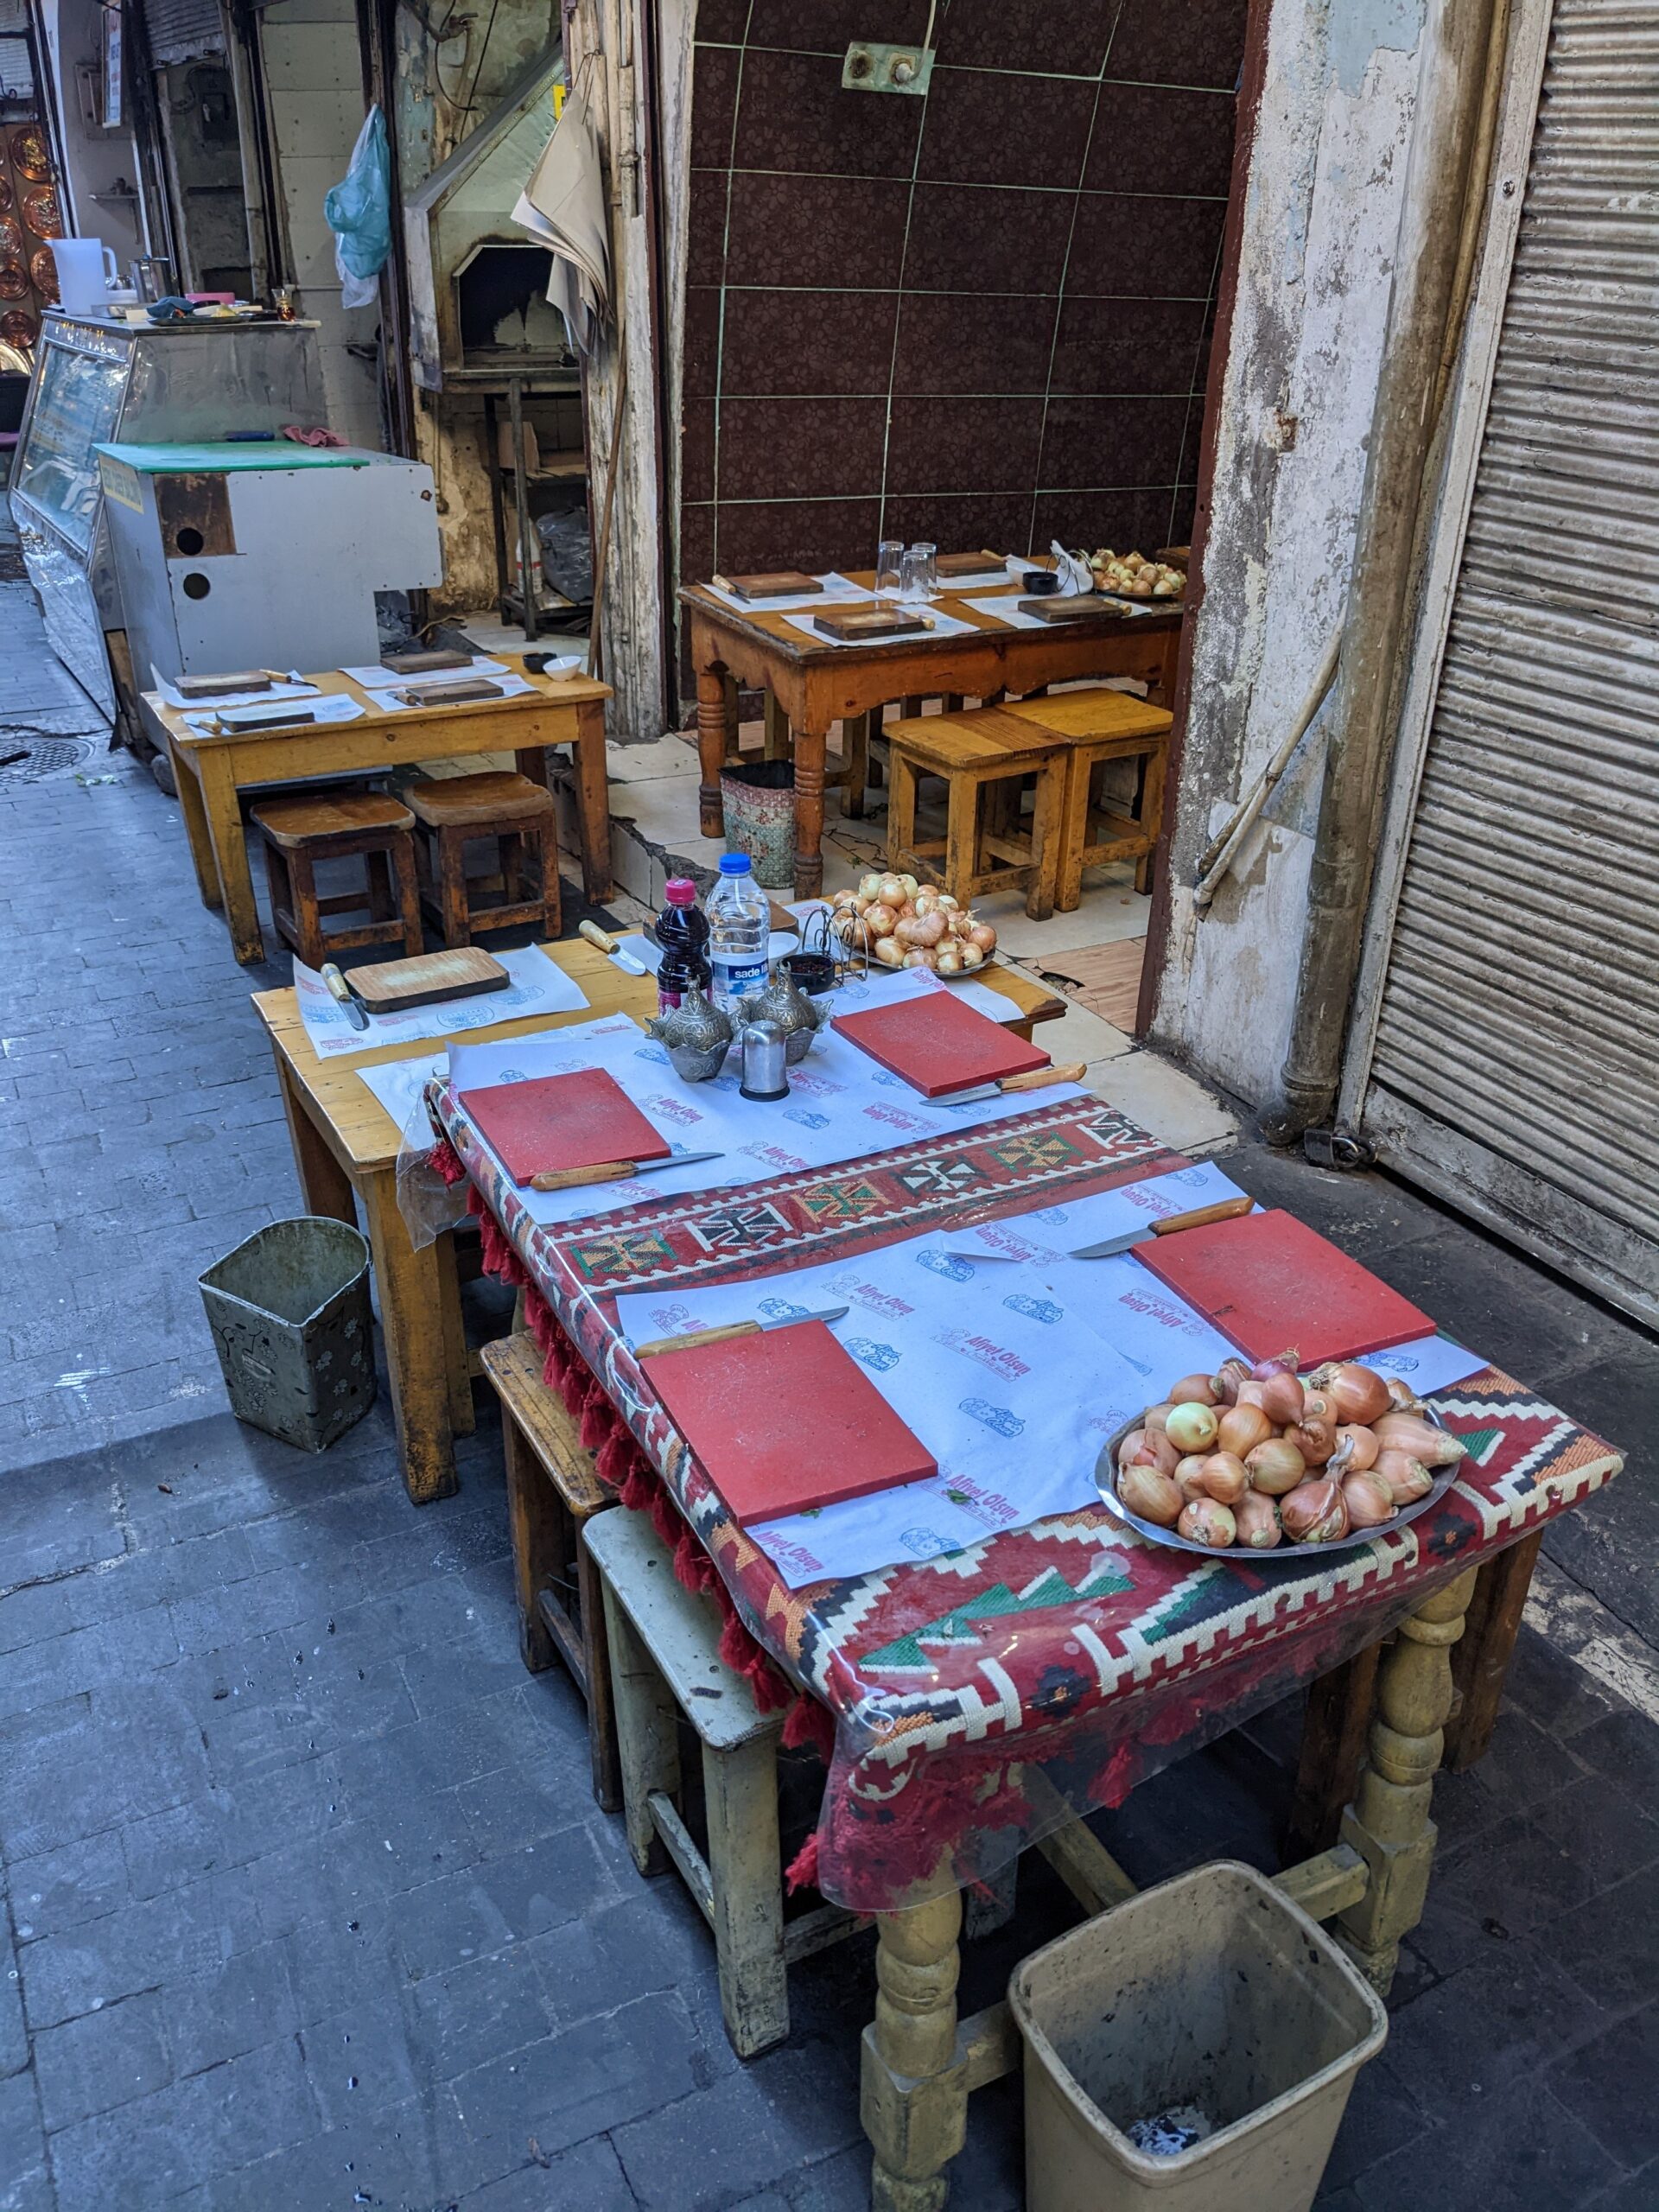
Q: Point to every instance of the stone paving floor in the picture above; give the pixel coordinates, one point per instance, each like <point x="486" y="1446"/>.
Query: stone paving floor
<point x="304" y="1903"/>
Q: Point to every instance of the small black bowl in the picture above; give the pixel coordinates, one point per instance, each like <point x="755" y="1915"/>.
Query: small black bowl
<point x="812" y="972"/>
<point x="1039" y="582"/>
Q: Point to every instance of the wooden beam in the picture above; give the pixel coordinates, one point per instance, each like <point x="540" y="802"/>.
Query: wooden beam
<point x="1328" y="1884"/>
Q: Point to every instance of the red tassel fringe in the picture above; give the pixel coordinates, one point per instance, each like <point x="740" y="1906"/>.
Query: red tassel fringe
<point x="445" y="1161"/>
<point x="802" y="1872"/>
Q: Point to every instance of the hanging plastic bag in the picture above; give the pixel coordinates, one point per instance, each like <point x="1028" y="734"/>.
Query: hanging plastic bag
<point x="359" y="212"/>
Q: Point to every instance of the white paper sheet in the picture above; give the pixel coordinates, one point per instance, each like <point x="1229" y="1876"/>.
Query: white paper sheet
<point x="838" y="591"/>
<point x="1427" y="1364"/>
<point x="510" y="685"/>
<point x="944" y="625"/>
<point x="1001" y="1380"/>
<point x="374" y="677"/>
<point x="537" y="987"/>
<point x="398" y="1083"/>
<point x="1008" y="610"/>
<point x="332" y="706"/>
<point x="295" y="688"/>
<point x="841" y="1106"/>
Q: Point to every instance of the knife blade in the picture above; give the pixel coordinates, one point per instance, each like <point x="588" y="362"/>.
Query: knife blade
<point x="1142" y="1233"/>
<point x="1033" y="1079"/>
<point x="614" y="1170"/>
<point x="738" y="1329"/>
<point x="338" y="988"/>
<point x="613" y="948"/>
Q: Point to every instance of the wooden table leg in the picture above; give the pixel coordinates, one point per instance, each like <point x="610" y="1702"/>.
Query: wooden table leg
<point x="1483" y="1656"/>
<point x="711" y="734"/>
<point x="1334" y="1730"/>
<point x="594" y="804"/>
<point x="913" y="2093"/>
<point x="777" y="728"/>
<point x="230" y="845"/>
<point x="1389" y="1823"/>
<point x="810" y="749"/>
<point x="195" y="825"/>
<point x="325" y="1186"/>
<point x="410" y="1287"/>
<point x="462" y="1420"/>
<point x="856" y="751"/>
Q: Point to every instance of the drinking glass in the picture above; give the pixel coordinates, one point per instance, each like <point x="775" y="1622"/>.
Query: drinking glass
<point x="889" y="559"/>
<point x="929" y="556"/>
<point x="912" y="575"/>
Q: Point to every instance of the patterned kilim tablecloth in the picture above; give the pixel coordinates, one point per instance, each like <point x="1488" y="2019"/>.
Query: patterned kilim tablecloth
<point x="1071" y="1645"/>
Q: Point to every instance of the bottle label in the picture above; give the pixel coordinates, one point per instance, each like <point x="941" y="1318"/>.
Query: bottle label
<point x="666" y="1001"/>
<point x="733" y="977"/>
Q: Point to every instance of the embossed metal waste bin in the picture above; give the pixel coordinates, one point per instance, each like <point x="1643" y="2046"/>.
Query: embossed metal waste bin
<point x="291" y="1322"/>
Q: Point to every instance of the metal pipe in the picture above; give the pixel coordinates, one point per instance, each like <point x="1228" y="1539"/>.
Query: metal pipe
<point x="1457" y="45"/>
<point x="1223" y="848"/>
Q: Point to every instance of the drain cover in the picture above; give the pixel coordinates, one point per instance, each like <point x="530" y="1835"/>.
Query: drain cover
<point x="42" y="757"/>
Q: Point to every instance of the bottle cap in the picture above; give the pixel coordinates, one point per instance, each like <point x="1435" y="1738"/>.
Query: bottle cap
<point x="680" y="892"/>
<point x="735" y="864"/>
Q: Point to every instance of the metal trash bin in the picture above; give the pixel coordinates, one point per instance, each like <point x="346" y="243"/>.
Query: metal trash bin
<point x="291" y="1322"/>
<point x="1211" y="2001"/>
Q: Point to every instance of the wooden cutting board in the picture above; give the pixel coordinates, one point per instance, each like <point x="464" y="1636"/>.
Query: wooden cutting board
<point x="785" y="1422"/>
<point x="870" y="624"/>
<point x="1077" y="609"/>
<point x="562" y="1121"/>
<point x="1271" y="1283"/>
<point x="773" y="583"/>
<point x="938" y="1045"/>
<point x="394" y="986"/>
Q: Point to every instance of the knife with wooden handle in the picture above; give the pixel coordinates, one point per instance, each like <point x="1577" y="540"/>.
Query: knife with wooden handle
<point x="340" y="991"/>
<point x="1033" y="1079"/>
<point x="730" y="1329"/>
<point x="1142" y="1233"/>
<point x="613" y="1171"/>
<point x="613" y="948"/>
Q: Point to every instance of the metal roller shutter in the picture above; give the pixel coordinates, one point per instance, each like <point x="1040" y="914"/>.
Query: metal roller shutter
<point x="183" y="30"/>
<point x="1517" y="1037"/>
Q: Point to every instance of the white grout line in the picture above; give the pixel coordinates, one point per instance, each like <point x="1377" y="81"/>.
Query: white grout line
<point x="725" y="255"/>
<point x="1580" y="1626"/>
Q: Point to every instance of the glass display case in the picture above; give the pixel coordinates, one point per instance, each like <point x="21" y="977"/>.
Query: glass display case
<point x="96" y="380"/>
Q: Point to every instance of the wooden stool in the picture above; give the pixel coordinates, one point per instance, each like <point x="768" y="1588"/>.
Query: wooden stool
<point x="552" y="1491"/>
<point x="665" y="1666"/>
<point x="983" y="849"/>
<point x="1097" y="726"/>
<point x="517" y="814"/>
<point x="300" y="831"/>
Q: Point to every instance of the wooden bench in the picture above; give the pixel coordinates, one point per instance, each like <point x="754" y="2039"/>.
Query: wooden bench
<point x="301" y="830"/>
<point x="552" y="1493"/>
<point x="665" y="1667"/>
<point x="518" y="815"/>
<point x="985" y="847"/>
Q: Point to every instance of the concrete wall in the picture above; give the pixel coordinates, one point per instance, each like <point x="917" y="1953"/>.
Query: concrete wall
<point x="1321" y="222"/>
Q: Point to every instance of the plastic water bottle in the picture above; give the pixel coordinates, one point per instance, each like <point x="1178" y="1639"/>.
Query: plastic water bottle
<point x="740" y="915"/>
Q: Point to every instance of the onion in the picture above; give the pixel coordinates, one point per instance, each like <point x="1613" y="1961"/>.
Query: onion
<point x="1408" y="1479"/>
<point x="1156" y="1451"/>
<point x="1189" y="1476"/>
<point x="1283" y="1400"/>
<point x="1405" y="1399"/>
<point x="1411" y="1432"/>
<point x="1224" y="1478"/>
<point x="919" y="929"/>
<point x="1241" y="1428"/>
<point x="1152" y="1495"/>
<point x="881" y="919"/>
<point x="1320" y="1405"/>
<point x="1361" y="1446"/>
<point x="891" y="892"/>
<point x="1129" y="1446"/>
<point x="1194" y="1390"/>
<point x="1276" y="1466"/>
<point x="949" y="962"/>
<point x="870" y="886"/>
<point x="1207" y="1522"/>
<point x="1251" y="1394"/>
<point x="920" y="956"/>
<point x="1257" y="1516"/>
<point x="1155" y="1416"/>
<point x="1368" y="1498"/>
<point x="1315" y="1440"/>
<point x="1284" y="1362"/>
<point x="912" y="884"/>
<point x="889" y="952"/>
<point x="1228" y="1377"/>
<point x="1360" y="1393"/>
<point x="981" y="935"/>
<point x="968" y="957"/>
<point x="1190" y="1428"/>
<point x="1315" y="1512"/>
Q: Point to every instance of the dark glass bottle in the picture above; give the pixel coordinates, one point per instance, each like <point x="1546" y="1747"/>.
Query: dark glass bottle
<point x="682" y="933"/>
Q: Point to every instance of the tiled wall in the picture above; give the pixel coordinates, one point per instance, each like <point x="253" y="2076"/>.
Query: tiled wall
<point x="981" y="319"/>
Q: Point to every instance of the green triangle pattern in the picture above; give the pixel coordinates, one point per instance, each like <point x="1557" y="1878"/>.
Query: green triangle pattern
<point x="955" y="1630"/>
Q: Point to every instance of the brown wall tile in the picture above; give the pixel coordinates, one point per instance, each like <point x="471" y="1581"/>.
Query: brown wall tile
<point x="1127" y="521"/>
<point x="801" y="448"/>
<point x="815" y="534"/>
<point x="696" y="544"/>
<point x="714" y="105"/>
<point x="816" y="231"/>
<point x="966" y="238"/>
<point x="1111" y="441"/>
<point x="959" y="445"/>
<point x="1129" y="247"/>
<point x="973" y="341"/>
<point x="796" y="116"/>
<point x="706" y="226"/>
<point x="1197" y="42"/>
<point x="1128" y="345"/>
<point x="808" y="342"/>
<point x="700" y="356"/>
<point x="984" y="128"/>
<point x="696" y="450"/>
<point x="1028" y="35"/>
<point x="832" y="26"/>
<point x="997" y="522"/>
<point x="1192" y="132"/>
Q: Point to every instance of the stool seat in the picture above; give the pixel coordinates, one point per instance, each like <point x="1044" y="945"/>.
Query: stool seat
<point x="1094" y="713"/>
<point x="498" y="796"/>
<point x="985" y="737"/>
<point x="299" y="821"/>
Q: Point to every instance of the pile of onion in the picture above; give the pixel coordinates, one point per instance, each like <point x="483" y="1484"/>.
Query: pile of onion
<point x="904" y="923"/>
<point x="1260" y="1456"/>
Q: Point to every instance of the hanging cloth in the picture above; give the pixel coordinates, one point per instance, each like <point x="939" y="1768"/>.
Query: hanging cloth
<point x="563" y="206"/>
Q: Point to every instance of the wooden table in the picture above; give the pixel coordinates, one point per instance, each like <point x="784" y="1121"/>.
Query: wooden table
<point x="345" y="1151"/>
<point x="211" y="771"/>
<point x="815" y="684"/>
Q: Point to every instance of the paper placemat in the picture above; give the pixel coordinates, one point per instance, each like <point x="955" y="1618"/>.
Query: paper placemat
<point x="945" y="625"/>
<point x="374" y="677"/>
<point x="325" y="708"/>
<point x="838" y="591"/>
<point x="1008" y="610"/>
<point x="537" y="987"/>
<point x="399" y="1084"/>
<point x="296" y="687"/>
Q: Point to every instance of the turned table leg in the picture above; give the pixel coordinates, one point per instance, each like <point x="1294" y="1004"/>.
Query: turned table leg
<point x="913" y="2097"/>
<point x="714" y="728"/>
<point x="1388" y="1824"/>
<point x="810" y="746"/>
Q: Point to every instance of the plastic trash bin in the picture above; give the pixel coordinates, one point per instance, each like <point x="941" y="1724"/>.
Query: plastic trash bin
<point x="291" y="1322"/>
<point x="758" y="803"/>
<point x="1212" y="1993"/>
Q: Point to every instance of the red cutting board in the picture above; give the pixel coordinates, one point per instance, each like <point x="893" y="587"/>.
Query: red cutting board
<point x="1269" y="1282"/>
<point x="940" y="1044"/>
<point x="562" y="1121"/>
<point x="786" y="1420"/>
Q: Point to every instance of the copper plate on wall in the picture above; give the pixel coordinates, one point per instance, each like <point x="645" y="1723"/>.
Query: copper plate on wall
<point x="29" y="155"/>
<point x="42" y="213"/>
<point x="18" y="329"/>
<point x="11" y="239"/>
<point x="43" y="267"/>
<point x="14" y="281"/>
<point x="5" y="195"/>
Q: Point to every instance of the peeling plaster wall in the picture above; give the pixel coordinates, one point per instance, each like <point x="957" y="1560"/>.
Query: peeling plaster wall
<point x="1320" y="220"/>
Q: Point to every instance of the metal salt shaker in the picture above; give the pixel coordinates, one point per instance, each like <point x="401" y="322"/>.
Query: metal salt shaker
<point x="764" y="1076"/>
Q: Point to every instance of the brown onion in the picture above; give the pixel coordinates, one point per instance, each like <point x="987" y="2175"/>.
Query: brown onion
<point x="1207" y="1522"/>
<point x="1362" y="1448"/>
<point x="1405" y="1399"/>
<point x="1155" y="1416"/>
<point x="1408" y="1479"/>
<point x="1411" y="1432"/>
<point x="1157" y="1451"/>
<point x="1231" y="1376"/>
<point x="1194" y="1390"/>
<point x="1360" y="1392"/>
<point x="1224" y="1477"/>
<point x="1315" y="1512"/>
<point x="1188" y="1477"/>
<point x="1152" y="1495"/>
<point x="1320" y="1405"/>
<point x="1276" y="1466"/>
<point x="1241" y="1428"/>
<point x="1249" y="1394"/>
<point x="1369" y="1501"/>
<point x="1258" y="1519"/>
<point x="1129" y="1446"/>
<point x="1282" y="1397"/>
<point x="1316" y="1440"/>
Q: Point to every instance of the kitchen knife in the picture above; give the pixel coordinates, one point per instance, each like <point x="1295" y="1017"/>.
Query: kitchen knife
<point x="735" y="1329"/>
<point x="613" y="948"/>
<point x="1035" y="1079"/>
<point x="1142" y="1233"/>
<point x="338" y="988"/>
<point x="614" y="1170"/>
